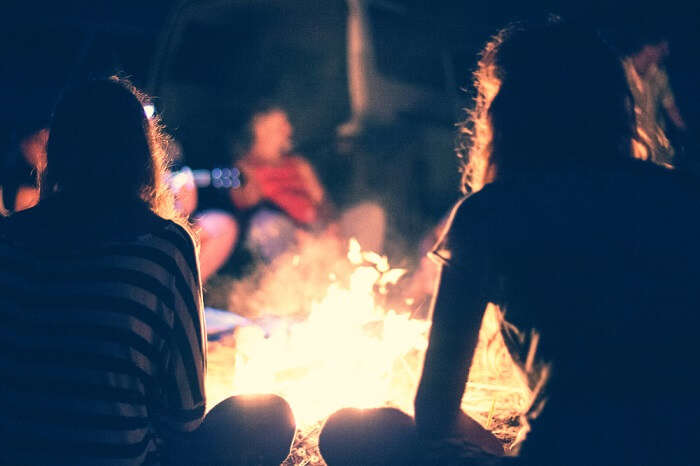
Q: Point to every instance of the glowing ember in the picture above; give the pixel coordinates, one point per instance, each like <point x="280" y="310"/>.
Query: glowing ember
<point x="351" y="351"/>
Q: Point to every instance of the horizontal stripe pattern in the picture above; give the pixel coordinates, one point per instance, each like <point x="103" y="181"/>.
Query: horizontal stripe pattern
<point x="101" y="348"/>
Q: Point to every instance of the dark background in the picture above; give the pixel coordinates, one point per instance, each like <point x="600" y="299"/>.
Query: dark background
<point x="208" y="63"/>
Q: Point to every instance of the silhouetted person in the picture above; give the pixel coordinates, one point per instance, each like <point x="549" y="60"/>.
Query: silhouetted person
<point x="654" y="102"/>
<point x="103" y="340"/>
<point x="281" y="187"/>
<point x="590" y="255"/>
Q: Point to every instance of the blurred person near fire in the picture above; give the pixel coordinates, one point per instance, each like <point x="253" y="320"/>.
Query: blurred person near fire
<point x="566" y="233"/>
<point x="654" y="102"/>
<point x="284" y="197"/>
<point x="19" y="188"/>
<point x="104" y="345"/>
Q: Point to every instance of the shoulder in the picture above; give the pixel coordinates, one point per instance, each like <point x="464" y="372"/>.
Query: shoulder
<point x="467" y="230"/>
<point x="478" y="208"/>
<point x="175" y="240"/>
<point x="177" y="234"/>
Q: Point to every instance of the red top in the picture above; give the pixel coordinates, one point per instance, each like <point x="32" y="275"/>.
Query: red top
<point x="284" y="185"/>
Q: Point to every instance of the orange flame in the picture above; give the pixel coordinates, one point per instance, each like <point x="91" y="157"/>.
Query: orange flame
<point x="351" y="351"/>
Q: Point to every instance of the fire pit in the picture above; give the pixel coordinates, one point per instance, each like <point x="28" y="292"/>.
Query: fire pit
<point x="350" y="349"/>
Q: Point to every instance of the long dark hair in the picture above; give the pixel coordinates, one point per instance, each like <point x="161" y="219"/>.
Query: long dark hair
<point x="103" y="148"/>
<point x="547" y="95"/>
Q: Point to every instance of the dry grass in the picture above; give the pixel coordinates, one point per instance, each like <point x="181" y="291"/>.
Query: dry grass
<point x="496" y="393"/>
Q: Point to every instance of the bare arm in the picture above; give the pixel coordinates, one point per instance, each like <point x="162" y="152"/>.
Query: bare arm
<point x="313" y="185"/>
<point x="247" y="195"/>
<point x="457" y="313"/>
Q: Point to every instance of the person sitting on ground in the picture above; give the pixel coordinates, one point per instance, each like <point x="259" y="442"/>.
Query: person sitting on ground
<point x="590" y="256"/>
<point x="568" y="235"/>
<point x="286" y="198"/>
<point x="104" y="344"/>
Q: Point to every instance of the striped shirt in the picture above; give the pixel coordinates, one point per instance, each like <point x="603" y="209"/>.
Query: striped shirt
<point x="102" y="343"/>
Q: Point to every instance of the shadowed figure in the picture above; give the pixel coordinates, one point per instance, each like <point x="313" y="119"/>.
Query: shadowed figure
<point x="654" y="102"/>
<point x="590" y="255"/>
<point x="101" y="319"/>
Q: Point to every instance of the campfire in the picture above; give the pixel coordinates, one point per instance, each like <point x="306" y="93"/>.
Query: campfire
<point x="339" y="342"/>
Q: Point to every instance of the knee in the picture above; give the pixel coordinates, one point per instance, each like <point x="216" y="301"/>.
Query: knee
<point x="270" y="234"/>
<point x="258" y="411"/>
<point x="383" y="436"/>
<point x="250" y="426"/>
<point x="220" y="226"/>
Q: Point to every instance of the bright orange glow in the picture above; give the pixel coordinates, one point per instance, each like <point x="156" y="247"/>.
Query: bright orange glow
<point x="149" y="110"/>
<point x="352" y="351"/>
<point x="639" y="150"/>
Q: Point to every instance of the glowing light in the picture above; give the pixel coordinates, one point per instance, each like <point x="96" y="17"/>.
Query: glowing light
<point x="149" y="110"/>
<point x="349" y="350"/>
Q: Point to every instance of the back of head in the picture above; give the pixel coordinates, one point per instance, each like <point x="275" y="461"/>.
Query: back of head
<point x="102" y="146"/>
<point x="547" y="96"/>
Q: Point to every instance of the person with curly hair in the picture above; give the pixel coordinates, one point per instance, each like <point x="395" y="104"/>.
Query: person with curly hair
<point x="103" y="339"/>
